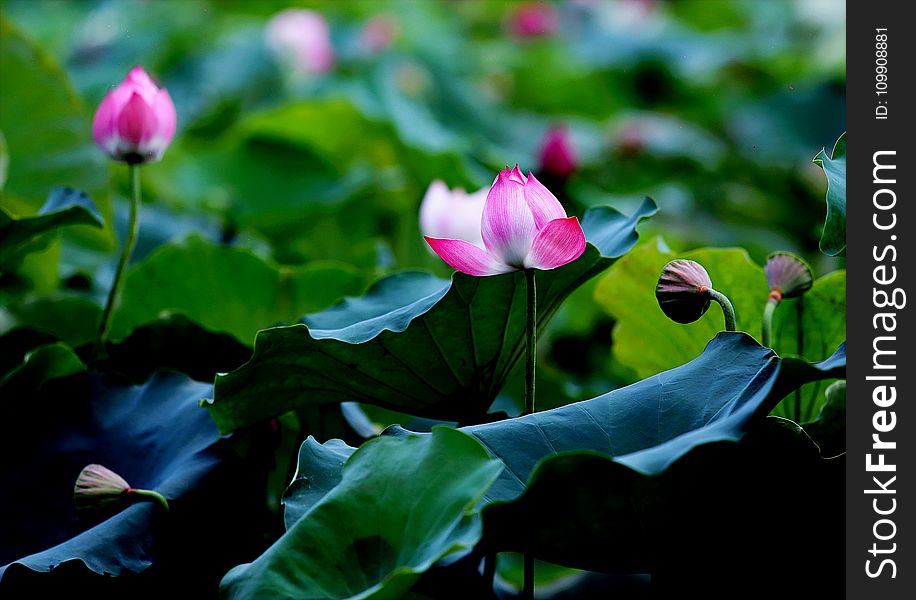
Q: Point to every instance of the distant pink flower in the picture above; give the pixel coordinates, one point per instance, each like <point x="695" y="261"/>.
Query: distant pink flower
<point x="136" y="121"/>
<point x="558" y="154"/>
<point x="537" y="19"/>
<point x="302" y="36"/>
<point x="523" y="226"/>
<point x="453" y="214"/>
<point x="378" y="33"/>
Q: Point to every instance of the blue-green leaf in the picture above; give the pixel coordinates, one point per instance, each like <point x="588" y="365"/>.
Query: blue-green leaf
<point x="833" y="239"/>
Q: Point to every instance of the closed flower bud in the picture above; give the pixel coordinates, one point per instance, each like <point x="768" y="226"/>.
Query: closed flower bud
<point x="683" y="291"/>
<point x="558" y="154"/>
<point x="787" y="275"/>
<point x="98" y="487"/>
<point x="136" y="121"/>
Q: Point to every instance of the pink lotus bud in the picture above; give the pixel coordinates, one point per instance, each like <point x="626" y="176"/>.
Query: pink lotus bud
<point x="378" y="33"/>
<point x="523" y="226"/>
<point x="538" y="19"/>
<point x="136" y="121"/>
<point x="302" y="37"/>
<point x="558" y="154"/>
<point x="787" y="275"/>
<point x="454" y="214"/>
<point x="683" y="291"/>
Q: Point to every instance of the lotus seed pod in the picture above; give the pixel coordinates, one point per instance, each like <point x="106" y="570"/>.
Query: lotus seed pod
<point x="787" y="275"/>
<point x="683" y="291"/>
<point x="98" y="487"/>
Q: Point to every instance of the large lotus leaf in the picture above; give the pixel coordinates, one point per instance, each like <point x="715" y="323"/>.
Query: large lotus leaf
<point x="46" y="129"/>
<point x="156" y="437"/>
<point x="650" y="424"/>
<point x="401" y="505"/>
<point x="718" y="516"/>
<point x="20" y="235"/>
<point x="226" y="289"/>
<point x="414" y="342"/>
<point x="833" y="239"/>
<point x="627" y="292"/>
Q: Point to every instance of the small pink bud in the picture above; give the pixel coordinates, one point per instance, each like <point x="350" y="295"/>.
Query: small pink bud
<point x="537" y="19"/>
<point x="787" y="275"/>
<point x="135" y="123"/>
<point x="302" y="37"/>
<point x="683" y="291"/>
<point x="558" y="154"/>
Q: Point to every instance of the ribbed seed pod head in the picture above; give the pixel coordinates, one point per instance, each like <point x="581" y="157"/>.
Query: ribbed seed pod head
<point x="787" y="275"/>
<point x="683" y="291"/>
<point x="98" y="487"/>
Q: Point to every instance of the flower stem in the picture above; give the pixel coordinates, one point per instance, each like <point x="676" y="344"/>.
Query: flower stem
<point x="767" y="331"/>
<point x="727" y="309"/>
<point x="530" y="360"/>
<point x="800" y="347"/>
<point x="129" y="243"/>
<point x="148" y="495"/>
<point x="531" y="341"/>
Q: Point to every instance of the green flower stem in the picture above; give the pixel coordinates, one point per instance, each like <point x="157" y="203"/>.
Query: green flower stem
<point x="132" y="227"/>
<point x="800" y="347"/>
<point x="150" y="495"/>
<point x="530" y="360"/>
<point x="727" y="309"/>
<point x="767" y="330"/>
<point x="531" y="341"/>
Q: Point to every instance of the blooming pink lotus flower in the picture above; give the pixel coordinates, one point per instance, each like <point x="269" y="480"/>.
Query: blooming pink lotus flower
<point x="136" y="121"/>
<point x="558" y="155"/>
<point x="523" y="226"/>
<point x="453" y="214"/>
<point x="302" y="36"/>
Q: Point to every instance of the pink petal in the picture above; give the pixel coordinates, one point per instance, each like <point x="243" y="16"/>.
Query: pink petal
<point x="560" y="242"/>
<point x="166" y="119"/>
<point x="137" y="122"/>
<point x="434" y="210"/>
<point x="467" y="257"/>
<point x="103" y="123"/>
<point x="507" y="226"/>
<point x="516" y="175"/>
<point x="140" y="82"/>
<point x="543" y="204"/>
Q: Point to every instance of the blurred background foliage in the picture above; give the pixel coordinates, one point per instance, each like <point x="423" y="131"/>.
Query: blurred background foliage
<point x="281" y="181"/>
